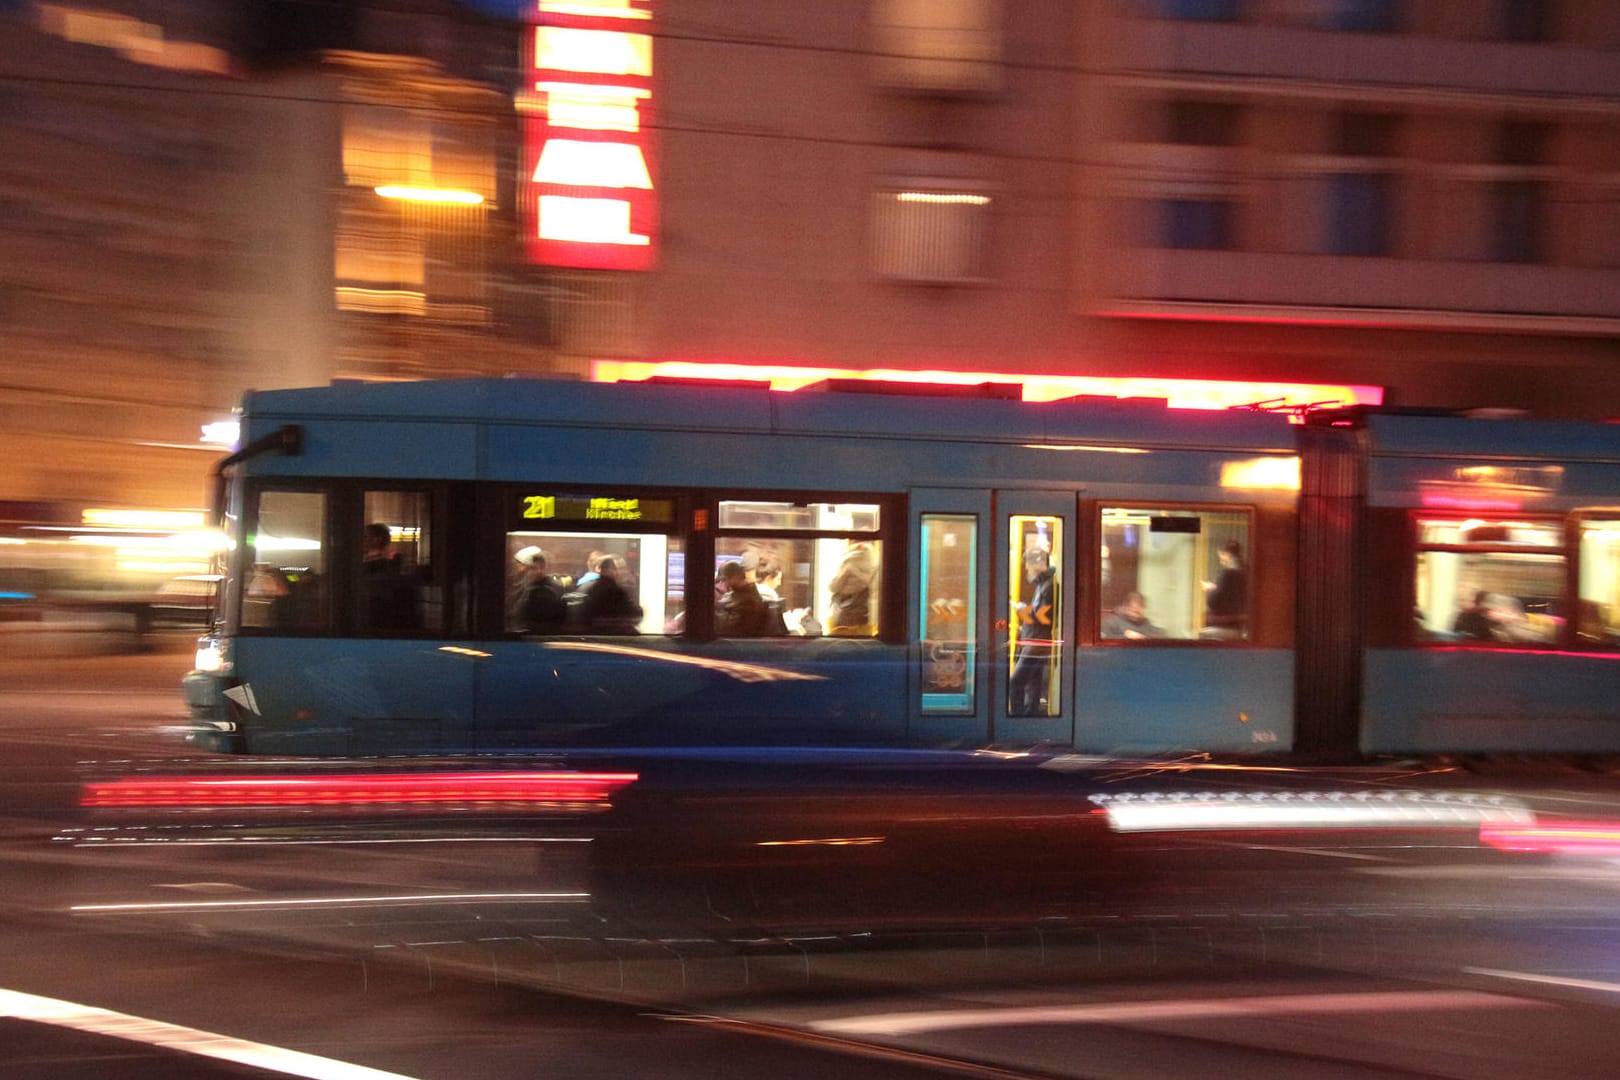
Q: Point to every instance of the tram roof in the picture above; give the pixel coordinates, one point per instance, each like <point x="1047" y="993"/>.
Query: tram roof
<point x="741" y="408"/>
<point x="1418" y="433"/>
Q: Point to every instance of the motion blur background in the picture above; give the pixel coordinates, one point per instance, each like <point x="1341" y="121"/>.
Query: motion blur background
<point x="1217" y="202"/>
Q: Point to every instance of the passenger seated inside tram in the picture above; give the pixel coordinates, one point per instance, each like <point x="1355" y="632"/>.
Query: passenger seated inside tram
<point x="1129" y="620"/>
<point x="1474" y="621"/>
<point x="740" y="611"/>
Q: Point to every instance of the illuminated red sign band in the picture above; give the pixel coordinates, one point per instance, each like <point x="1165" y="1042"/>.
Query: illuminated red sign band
<point x="589" y="190"/>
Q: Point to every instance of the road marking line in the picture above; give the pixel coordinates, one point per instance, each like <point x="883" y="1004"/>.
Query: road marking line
<point x="1550" y="980"/>
<point x="912" y="1023"/>
<point x="333" y="901"/>
<point x="187" y="1040"/>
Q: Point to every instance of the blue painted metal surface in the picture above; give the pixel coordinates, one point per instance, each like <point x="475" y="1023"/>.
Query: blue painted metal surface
<point x="1485" y="699"/>
<point x="1167" y="699"/>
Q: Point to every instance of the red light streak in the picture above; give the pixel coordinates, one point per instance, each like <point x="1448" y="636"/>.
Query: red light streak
<point x="1486" y="647"/>
<point x="536" y="788"/>
<point x="1462" y="502"/>
<point x="1564" y="837"/>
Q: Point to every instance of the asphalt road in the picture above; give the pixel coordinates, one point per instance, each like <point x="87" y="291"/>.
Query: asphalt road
<point x="746" y="922"/>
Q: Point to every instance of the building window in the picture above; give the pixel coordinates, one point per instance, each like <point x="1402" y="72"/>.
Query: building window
<point x="1196" y="224"/>
<point x="1366" y="16"/>
<point x="1170" y="574"/>
<point x="938" y="46"/>
<point x="1517" y="211"/>
<point x="1366" y="135"/>
<point x="1527" y="21"/>
<point x="930" y="235"/>
<point x="411" y="238"/>
<point x="817" y="568"/>
<point x="1489" y="580"/>
<point x="1202" y="123"/>
<point x="1361" y="195"/>
<point x="1204" y="10"/>
<point x="1360" y="215"/>
<point x="1522" y="142"/>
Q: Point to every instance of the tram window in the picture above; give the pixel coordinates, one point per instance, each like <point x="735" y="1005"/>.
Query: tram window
<point x="947" y="578"/>
<point x="286" y="585"/>
<point x="399" y="588"/>
<point x="1035" y="625"/>
<point x="1174" y="574"/>
<point x="1597" y="620"/>
<point x="1495" y="580"/>
<point x="829" y="582"/>
<point x="650" y="568"/>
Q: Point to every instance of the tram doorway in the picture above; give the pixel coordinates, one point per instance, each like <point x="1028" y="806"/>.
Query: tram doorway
<point x="993" y="623"/>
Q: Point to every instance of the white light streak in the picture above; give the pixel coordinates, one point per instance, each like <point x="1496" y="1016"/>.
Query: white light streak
<point x="144" y="519"/>
<point x="429" y="195"/>
<point x="332" y="901"/>
<point x="737" y="669"/>
<point x="942" y="197"/>
<point x="1181" y="811"/>
<point x="1548" y="980"/>
<point x="914" y="1023"/>
<point x="188" y="1040"/>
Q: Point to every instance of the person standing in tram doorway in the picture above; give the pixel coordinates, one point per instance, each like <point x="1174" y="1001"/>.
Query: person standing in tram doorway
<point x="1037" y="635"/>
<point x="852" y="589"/>
<point x="390" y="600"/>
<point x="1226" y="603"/>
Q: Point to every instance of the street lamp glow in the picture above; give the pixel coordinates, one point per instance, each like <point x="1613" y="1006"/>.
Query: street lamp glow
<point x="430" y="195"/>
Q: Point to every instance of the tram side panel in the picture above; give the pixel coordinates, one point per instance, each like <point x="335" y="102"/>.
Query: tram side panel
<point x="1208" y="692"/>
<point x="1493" y="588"/>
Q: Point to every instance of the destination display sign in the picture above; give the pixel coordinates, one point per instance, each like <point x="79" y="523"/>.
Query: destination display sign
<point x="595" y="509"/>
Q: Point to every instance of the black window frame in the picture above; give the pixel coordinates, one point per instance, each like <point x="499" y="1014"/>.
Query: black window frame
<point x="1091" y="614"/>
<point x="1567" y="549"/>
<point x="254" y="489"/>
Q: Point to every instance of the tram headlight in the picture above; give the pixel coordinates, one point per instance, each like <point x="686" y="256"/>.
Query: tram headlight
<point x="213" y="655"/>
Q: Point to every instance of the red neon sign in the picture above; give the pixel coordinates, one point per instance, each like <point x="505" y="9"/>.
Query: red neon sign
<point x="588" y="188"/>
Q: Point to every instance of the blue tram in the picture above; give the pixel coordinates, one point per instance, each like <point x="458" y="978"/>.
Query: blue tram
<point x="526" y="565"/>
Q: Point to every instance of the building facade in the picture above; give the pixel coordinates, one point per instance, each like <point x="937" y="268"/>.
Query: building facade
<point x="1415" y="195"/>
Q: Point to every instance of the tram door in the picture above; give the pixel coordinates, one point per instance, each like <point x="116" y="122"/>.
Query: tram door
<point x="991" y="618"/>
<point x="1032" y="617"/>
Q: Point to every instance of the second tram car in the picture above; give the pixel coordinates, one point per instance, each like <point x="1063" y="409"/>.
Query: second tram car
<point x="524" y="565"/>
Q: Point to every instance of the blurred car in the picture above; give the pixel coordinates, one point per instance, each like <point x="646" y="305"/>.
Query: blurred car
<point x="186" y="601"/>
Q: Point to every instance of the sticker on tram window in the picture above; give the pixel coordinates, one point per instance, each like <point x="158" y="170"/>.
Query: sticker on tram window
<point x="603" y="508"/>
